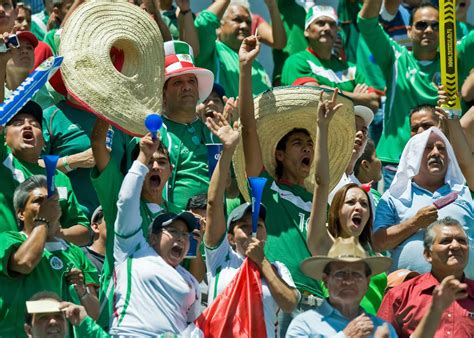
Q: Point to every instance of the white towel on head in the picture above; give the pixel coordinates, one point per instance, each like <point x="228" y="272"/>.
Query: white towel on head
<point x="410" y="163"/>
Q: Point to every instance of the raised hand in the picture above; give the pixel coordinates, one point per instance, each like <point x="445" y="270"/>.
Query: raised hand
<point x="73" y="312"/>
<point x="360" y="326"/>
<point x="254" y="251"/>
<point x="220" y="127"/>
<point x="231" y="109"/>
<point x="327" y="108"/>
<point x="249" y="50"/>
<point x="447" y="292"/>
<point x="148" y="146"/>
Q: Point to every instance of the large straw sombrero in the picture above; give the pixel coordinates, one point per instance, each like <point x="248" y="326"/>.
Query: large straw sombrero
<point x="346" y="250"/>
<point x="282" y="109"/>
<point x="123" y="98"/>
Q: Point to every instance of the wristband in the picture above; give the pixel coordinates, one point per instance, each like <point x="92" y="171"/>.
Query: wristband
<point x="185" y="12"/>
<point x="42" y="220"/>
<point x="66" y="165"/>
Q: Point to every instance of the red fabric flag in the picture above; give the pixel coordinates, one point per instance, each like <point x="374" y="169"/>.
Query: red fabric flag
<point x="238" y="310"/>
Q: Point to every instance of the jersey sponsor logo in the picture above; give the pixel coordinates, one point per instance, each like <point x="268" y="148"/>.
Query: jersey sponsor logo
<point x="292" y="198"/>
<point x="339" y="77"/>
<point x="56" y="263"/>
<point x="73" y="126"/>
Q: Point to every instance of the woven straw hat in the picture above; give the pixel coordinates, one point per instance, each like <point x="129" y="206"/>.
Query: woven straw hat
<point x="344" y="250"/>
<point x="279" y="111"/>
<point x="122" y="98"/>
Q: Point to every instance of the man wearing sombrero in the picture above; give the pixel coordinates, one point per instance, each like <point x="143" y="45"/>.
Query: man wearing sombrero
<point x="277" y="143"/>
<point x="346" y="272"/>
<point x="183" y="132"/>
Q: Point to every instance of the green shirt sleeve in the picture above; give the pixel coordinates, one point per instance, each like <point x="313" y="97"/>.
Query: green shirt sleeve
<point x="359" y="76"/>
<point x="465" y="56"/>
<point x="89" y="328"/>
<point x="206" y="24"/>
<point x="72" y="213"/>
<point x="9" y="243"/>
<point x="295" y="66"/>
<point x="379" y="43"/>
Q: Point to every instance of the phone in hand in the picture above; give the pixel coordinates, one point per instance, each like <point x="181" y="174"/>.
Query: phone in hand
<point x="13" y="40"/>
<point x="445" y="200"/>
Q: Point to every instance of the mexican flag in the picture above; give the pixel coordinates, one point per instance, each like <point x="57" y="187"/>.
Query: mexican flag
<point x="237" y="311"/>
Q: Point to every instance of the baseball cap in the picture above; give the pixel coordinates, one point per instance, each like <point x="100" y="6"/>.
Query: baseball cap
<point x="28" y="36"/>
<point x="165" y="219"/>
<point x="33" y="109"/>
<point x="238" y="213"/>
<point x="317" y="11"/>
<point x="365" y="113"/>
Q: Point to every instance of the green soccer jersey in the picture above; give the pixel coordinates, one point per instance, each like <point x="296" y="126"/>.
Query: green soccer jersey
<point x="333" y="73"/>
<point x="67" y="130"/>
<point x="289" y="207"/>
<point x="13" y="171"/>
<point x="48" y="275"/>
<point x="52" y="40"/>
<point x="222" y="60"/>
<point x="410" y="82"/>
<point x="107" y="185"/>
<point x="186" y="144"/>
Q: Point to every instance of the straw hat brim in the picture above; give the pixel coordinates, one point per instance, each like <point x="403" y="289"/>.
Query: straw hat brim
<point x="282" y="109"/>
<point x="122" y="98"/>
<point x="204" y="77"/>
<point x="314" y="266"/>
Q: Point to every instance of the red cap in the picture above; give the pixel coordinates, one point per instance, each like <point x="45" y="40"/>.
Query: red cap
<point x="28" y="36"/>
<point x="302" y="80"/>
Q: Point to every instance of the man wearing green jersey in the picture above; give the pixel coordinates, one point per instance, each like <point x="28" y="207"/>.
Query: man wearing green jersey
<point x="36" y="259"/>
<point x="411" y="76"/>
<point x="319" y="62"/>
<point x="21" y="142"/>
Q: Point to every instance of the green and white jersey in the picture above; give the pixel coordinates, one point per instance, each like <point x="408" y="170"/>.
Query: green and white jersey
<point x="67" y="130"/>
<point x="289" y="207"/>
<point x="333" y="73"/>
<point x="186" y="144"/>
<point x="410" y="82"/>
<point x="14" y="171"/>
<point x="224" y="61"/>
<point x="151" y="297"/>
<point x="107" y="185"/>
<point x="49" y="275"/>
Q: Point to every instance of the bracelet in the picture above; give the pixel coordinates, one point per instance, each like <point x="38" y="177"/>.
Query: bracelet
<point x="42" y="220"/>
<point x="185" y="11"/>
<point x="66" y="165"/>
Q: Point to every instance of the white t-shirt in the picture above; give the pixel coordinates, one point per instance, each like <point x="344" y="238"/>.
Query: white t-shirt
<point x="223" y="263"/>
<point x="151" y="297"/>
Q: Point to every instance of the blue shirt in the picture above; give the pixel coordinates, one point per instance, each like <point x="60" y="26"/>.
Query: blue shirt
<point x="326" y="321"/>
<point x="409" y="254"/>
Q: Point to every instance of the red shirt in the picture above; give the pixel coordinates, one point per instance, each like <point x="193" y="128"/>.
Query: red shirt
<point x="405" y="305"/>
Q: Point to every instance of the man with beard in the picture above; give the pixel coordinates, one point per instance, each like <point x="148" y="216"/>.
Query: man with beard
<point x="233" y="23"/>
<point x="428" y="184"/>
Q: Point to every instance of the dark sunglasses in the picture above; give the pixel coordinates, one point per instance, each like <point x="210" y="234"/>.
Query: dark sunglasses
<point x="422" y="25"/>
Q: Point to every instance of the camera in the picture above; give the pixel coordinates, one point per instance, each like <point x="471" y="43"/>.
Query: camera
<point x="13" y="40"/>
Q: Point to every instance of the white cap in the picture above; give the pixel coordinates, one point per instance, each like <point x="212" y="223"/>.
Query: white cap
<point x="364" y="112"/>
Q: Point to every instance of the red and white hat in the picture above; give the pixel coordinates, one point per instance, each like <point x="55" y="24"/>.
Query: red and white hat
<point x="179" y="60"/>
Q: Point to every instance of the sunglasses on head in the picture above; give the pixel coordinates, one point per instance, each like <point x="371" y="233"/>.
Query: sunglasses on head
<point x="422" y="25"/>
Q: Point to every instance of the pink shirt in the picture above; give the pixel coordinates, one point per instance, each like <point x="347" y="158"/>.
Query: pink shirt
<point x="405" y="305"/>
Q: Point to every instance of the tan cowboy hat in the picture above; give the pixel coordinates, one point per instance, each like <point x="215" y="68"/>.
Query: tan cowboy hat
<point x="48" y="305"/>
<point x="95" y="31"/>
<point x="344" y="250"/>
<point x="284" y="108"/>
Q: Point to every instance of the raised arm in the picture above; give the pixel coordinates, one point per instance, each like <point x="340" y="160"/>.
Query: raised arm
<point x="187" y="30"/>
<point x="318" y="238"/>
<point x="253" y="153"/>
<point x="216" y="224"/>
<point x="99" y="149"/>
<point x="219" y="7"/>
<point x="25" y="259"/>
<point x="274" y="35"/>
<point x="390" y="7"/>
<point x="370" y="9"/>
<point x="467" y="89"/>
<point x="152" y="7"/>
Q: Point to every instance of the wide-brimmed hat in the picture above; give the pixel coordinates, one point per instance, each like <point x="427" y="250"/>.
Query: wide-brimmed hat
<point x="344" y="250"/>
<point x="283" y="109"/>
<point x="122" y="98"/>
<point x="179" y="60"/>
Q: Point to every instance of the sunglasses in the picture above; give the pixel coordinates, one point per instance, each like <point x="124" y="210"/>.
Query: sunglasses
<point x="422" y="25"/>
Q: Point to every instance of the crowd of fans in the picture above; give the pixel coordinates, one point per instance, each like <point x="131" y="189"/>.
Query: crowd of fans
<point x="367" y="217"/>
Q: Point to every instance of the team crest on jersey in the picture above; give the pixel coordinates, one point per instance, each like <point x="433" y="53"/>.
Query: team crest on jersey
<point x="56" y="263"/>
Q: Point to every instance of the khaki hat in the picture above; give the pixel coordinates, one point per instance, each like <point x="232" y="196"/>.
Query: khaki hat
<point x="283" y="109"/>
<point x="123" y="98"/>
<point x="42" y="306"/>
<point x="344" y="250"/>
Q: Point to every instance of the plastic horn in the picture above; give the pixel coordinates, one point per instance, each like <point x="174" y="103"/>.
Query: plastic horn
<point x="213" y="155"/>
<point x="153" y="123"/>
<point x="50" y="162"/>
<point x="256" y="187"/>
